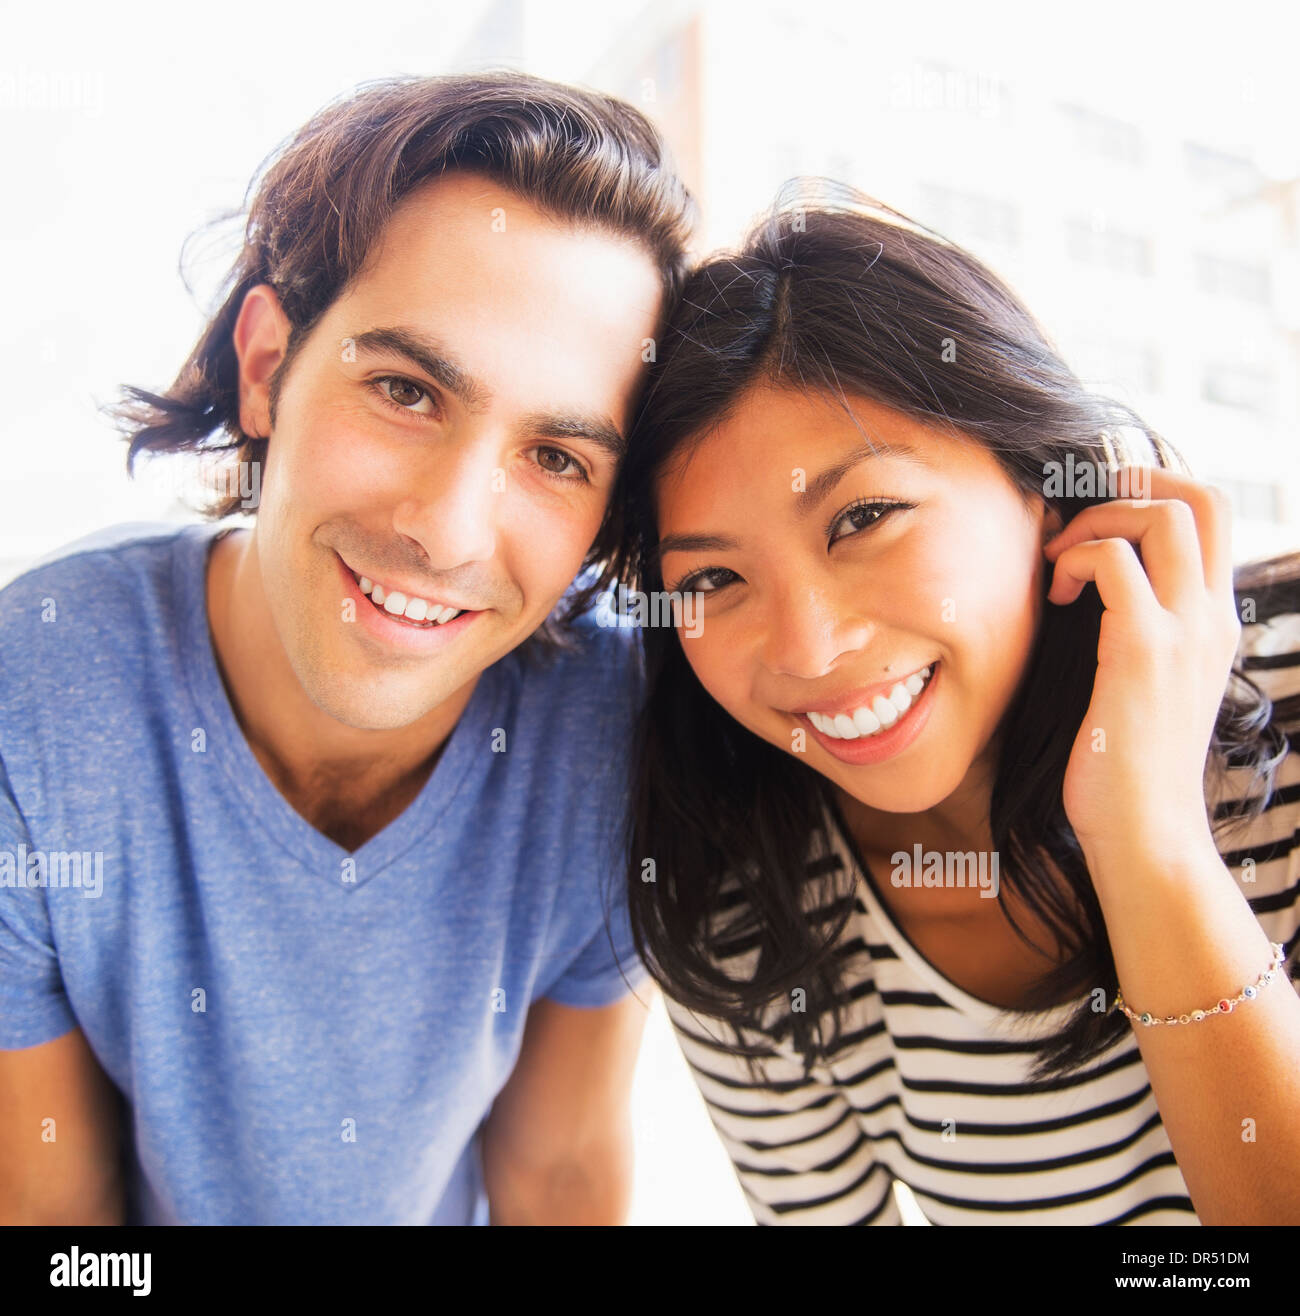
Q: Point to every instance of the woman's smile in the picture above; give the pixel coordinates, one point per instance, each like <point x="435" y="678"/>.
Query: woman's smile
<point x="869" y="728"/>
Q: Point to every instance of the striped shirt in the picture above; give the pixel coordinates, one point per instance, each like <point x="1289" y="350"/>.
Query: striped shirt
<point x="931" y="1086"/>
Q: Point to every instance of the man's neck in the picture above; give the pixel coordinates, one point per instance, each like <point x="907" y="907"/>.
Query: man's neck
<point x="347" y="782"/>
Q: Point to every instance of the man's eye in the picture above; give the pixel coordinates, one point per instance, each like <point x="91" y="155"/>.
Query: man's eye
<point x="403" y="395"/>
<point x="560" y="464"/>
<point x="862" y="516"/>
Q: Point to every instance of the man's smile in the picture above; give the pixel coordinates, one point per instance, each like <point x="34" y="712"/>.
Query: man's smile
<point x="405" y="605"/>
<point x="400" y="619"/>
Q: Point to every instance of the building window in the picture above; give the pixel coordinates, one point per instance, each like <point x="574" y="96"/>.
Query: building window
<point x="1112" y="364"/>
<point x="970" y="217"/>
<point x="1242" y="280"/>
<point x="1109" y="248"/>
<point x="1245" y="387"/>
<point x="668" y="69"/>
<point x="1099" y="134"/>
<point x="1251" y="499"/>
<point x="1230" y="174"/>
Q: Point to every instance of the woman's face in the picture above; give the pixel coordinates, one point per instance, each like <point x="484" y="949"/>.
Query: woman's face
<point x="821" y="612"/>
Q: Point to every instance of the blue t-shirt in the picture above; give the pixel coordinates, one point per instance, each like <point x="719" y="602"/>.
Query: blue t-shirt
<point x="302" y="1034"/>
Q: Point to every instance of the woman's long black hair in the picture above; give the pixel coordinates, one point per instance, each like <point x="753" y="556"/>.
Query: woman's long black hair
<point x="834" y="293"/>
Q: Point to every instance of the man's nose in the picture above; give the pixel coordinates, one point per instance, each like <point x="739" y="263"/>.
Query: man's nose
<point x="454" y="511"/>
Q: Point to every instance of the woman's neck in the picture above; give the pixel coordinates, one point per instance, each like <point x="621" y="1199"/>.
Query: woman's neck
<point x="960" y="822"/>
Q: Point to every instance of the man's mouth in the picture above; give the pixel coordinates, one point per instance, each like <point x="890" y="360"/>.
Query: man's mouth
<point x="423" y="614"/>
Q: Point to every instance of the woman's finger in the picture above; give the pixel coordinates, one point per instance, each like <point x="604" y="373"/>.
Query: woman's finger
<point x="1113" y="566"/>
<point x="1164" y="531"/>
<point x="1212" y="509"/>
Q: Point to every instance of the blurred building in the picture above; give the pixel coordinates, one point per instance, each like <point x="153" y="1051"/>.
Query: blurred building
<point x="1164" y="264"/>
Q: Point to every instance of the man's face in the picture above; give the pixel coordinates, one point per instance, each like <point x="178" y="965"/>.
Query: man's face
<point x="476" y="478"/>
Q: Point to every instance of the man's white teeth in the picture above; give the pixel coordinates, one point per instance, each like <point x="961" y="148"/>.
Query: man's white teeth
<point x="879" y="715"/>
<point x="397" y="603"/>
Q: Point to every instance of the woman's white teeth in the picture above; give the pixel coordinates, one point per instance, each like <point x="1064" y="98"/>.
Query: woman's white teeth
<point x="866" y="722"/>
<point x="399" y="605"/>
<point x="883" y="707"/>
<point x="879" y="715"/>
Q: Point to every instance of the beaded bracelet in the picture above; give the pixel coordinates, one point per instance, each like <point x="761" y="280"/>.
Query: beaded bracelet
<point x="1224" y="1007"/>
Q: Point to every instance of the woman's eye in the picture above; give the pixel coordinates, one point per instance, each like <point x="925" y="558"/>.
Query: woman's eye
<point x="401" y="394"/>
<point x="708" y="581"/>
<point x="557" y="462"/>
<point x="861" y="516"/>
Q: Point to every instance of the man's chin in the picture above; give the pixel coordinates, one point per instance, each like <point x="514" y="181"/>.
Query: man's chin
<point x="368" y="701"/>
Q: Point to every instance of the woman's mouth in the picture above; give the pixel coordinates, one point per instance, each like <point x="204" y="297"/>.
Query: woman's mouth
<point x="879" y="727"/>
<point x="878" y="715"/>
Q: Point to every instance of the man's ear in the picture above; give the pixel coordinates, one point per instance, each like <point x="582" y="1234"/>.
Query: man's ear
<point x="261" y="338"/>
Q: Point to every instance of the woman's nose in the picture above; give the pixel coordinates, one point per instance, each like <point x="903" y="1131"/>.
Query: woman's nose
<point x="807" y="627"/>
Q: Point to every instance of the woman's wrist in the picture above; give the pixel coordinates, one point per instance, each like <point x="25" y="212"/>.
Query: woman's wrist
<point x="1180" y="929"/>
<point x="1147" y="865"/>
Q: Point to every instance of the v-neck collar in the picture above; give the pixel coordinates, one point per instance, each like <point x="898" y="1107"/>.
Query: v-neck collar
<point x="995" y="1019"/>
<point x="258" y="794"/>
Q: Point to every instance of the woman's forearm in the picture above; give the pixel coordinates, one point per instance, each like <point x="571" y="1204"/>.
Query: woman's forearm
<point x="1228" y="1086"/>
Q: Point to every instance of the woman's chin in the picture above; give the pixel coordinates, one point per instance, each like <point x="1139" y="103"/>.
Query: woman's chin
<point x="893" y="797"/>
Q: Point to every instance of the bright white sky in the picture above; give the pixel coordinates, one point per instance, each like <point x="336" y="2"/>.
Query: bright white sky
<point x="171" y="113"/>
<point x="1225" y="74"/>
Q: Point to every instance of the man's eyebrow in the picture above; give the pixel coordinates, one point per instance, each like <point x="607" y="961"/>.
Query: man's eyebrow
<point x="599" y="430"/>
<point x="430" y="356"/>
<point x="439" y="364"/>
<point x="832" y="475"/>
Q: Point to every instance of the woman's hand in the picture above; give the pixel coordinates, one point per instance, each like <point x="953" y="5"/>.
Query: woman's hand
<point x="1162" y="564"/>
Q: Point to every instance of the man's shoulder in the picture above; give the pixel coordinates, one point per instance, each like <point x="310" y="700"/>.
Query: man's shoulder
<point x="100" y="556"/>
<point x="88" y="600"/>
<point x="581" y="696"/>
<point x="589" y="655"/>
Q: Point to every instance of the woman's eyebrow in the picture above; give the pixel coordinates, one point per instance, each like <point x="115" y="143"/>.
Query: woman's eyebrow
<point x="804" y="502"/>
<point x="832" y="475"/>
<point x="696" y="544"/>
